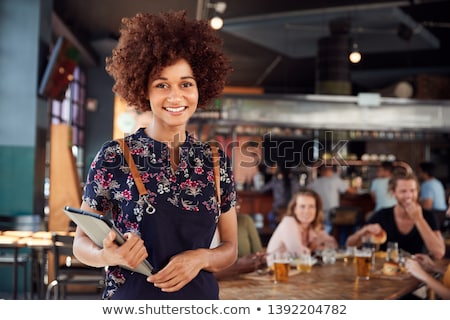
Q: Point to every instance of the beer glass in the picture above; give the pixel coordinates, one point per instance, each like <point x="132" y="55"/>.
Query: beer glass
<point x="304" y="263"/>
<point x="363" y="263"/>
<point x="392" y="252"/>
<point x="281" y="266"/>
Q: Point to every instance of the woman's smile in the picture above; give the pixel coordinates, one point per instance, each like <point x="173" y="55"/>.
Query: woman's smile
<point x="175" y="109"/>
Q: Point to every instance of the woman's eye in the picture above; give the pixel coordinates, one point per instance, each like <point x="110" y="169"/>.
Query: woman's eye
<point x="186" y="85"/>
<point x="161" y="85"/>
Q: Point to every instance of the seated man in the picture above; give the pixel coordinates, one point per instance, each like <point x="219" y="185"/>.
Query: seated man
<point x="414" y="228"/>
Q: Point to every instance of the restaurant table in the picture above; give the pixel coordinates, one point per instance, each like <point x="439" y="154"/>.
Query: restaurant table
<point x="40" y="243"/>
<point x="40" y="248"/>
<point x="325" y="282"/>
<point x="11" y="242"/>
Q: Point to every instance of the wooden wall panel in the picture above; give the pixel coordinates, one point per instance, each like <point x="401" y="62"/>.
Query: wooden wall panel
<point x="65" y="187"/>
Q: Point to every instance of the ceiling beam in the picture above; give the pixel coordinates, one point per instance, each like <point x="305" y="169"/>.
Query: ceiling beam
<point x="88" y="58"/>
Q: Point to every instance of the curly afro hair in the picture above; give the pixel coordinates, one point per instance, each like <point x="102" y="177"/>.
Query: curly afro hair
<point x="148" y="43"/>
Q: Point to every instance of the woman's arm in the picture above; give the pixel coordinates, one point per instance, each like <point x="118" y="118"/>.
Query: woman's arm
<point x="130" y="254"/>
<point x="226" y="253"/>
<point x="322" y="240"/>
<point x="286" y="237"/>
<point x="415" y="269"/>
<point x="429" y="264"/>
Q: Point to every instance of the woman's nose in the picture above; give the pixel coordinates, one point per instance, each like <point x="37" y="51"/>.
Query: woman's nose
<point x="174" y="95"/>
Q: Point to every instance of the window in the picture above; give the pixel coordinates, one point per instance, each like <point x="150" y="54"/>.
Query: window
<point x="72" y="111"/>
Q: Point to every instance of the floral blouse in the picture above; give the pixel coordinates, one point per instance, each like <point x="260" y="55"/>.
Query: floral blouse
<point x="185" y="201"/>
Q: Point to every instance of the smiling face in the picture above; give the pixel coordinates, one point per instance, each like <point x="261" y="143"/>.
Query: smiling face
<point x="406" y="192"/>
<point x="305" y="209"/>
<point x="173" y="96"/>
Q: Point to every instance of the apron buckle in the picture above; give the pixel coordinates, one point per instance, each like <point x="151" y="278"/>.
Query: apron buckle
<point x="150" y="208"/>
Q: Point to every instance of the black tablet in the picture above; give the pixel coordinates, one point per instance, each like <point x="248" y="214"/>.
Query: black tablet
<point x="97" y="227"/>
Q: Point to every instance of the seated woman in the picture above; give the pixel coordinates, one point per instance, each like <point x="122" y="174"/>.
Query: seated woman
<point x="250" y="250"/>
<point x="415" y="229"/>
<point x="302" y="229"/>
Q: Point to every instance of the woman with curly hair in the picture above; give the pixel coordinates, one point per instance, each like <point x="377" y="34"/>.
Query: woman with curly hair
<point x="302" y="229"/>
<point x="170" y="65"/>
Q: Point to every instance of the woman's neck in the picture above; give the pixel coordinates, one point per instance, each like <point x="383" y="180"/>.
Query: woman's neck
<point x="304" y="226"/>
<point x="173" y="137"/>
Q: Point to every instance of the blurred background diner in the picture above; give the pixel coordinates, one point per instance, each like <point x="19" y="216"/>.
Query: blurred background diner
<point x="330" y="186"/>
<point x="283" y="184"/>
<point x="379" y="187"/>
<point x="294" y="100"/>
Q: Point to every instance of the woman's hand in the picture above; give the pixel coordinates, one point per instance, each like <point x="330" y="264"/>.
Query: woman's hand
<point x="129" y="254"/>
<point x="427" y="263"/>
<point x="415" y="269"/>
<point x="180" y="270"/>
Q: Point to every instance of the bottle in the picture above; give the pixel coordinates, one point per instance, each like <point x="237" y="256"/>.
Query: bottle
<point x="259" y="220"/>
<point x="258" y="181"/>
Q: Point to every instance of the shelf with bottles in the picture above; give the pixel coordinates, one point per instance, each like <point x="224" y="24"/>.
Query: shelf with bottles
<point x="213" y="115"/>
<point x="366" y="163"/>
<point x="211" y="112"/>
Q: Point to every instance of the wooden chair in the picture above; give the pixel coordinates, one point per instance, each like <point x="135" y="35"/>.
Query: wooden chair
<point x="344" y="222"/>
<point x="69" y="271"/>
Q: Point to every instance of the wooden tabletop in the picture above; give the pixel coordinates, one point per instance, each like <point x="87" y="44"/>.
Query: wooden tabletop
<point x="17" y="233"/>
<point x="39" y="239"/>
<point x="325" y="282"/>
<point x="10" y="241"/>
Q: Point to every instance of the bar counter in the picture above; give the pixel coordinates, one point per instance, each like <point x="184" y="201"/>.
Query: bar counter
<point x="325" y="282"/>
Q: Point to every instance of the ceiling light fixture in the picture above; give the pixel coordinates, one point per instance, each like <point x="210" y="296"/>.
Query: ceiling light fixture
<point x="355" y="55"/>
<point x="216" y="23"/>
<point x="219" y="7"/>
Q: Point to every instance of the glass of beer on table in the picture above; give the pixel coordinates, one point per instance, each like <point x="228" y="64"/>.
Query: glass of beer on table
<point x="304" y="262"/>
<point x="281" y="266"/>
<point x="363" y="265"/>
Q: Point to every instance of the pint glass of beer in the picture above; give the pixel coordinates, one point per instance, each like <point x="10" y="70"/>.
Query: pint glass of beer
<point x="363" y="263"/>
<point x="281" y="266"/>
<point x="304" y="263"/>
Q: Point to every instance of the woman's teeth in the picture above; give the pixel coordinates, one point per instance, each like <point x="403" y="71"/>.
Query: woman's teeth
<point x="179" y="109"/>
